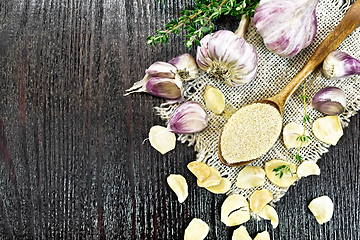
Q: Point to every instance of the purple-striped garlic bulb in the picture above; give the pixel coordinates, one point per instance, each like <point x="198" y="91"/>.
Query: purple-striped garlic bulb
<point x="339" y="65"/>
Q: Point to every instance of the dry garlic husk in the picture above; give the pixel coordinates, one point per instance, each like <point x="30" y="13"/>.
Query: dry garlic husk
<point x="196" y="230"/>
<point x="179" y="185"/>
<point x="328" y="129"/>
<point x="340" y="65"/>
<point x="329" y="101"/>
<point x="259" y="199"/>
<point x="286" y="180"/>
<point x="286" y="26"/>
<point x="269" y="213"/>
<point x="235" y="210"/>
<point x="223" y="187"/>
<point x="199" y="169"/>
<point x="322" y="208"/>
<point x="241" y="234"/>
<point x="186" y="67"/>
<point x="307" y="168"/>
<point x="250" y="176"/>
<point x="262" y="236"/>
<point x="213" y="180"/>
<point x="290" y="134"/>
<point x="214" y="99"/>
<point x="161" y="139"/>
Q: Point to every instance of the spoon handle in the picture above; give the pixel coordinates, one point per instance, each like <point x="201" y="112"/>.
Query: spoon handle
<point x="348" y="24"/>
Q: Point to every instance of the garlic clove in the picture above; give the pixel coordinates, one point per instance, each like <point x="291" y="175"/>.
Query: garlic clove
<point x="259" y="199"/>
<point x="196" y="230"/>
<point x="329" y="100"/>
<point x="328" y="129"/>
<point x="286" y="180"/>
<point x="162" y="70"/>
<point x="199" y="169"/>
<point x="322" y="208"/>
<point x="262" y="236"/>
<point x="250" y="176"/>
<point x="269" y="213"/>
<point x="235" y="210"/>
<point x="290" y="134"/>
<point x="213" y="180"/>
<point x="340" y="65"/>
<point x="214" y="99"/>
<point x="307" y="168"/>
<point x="179" y="185"/>
<point x="202" y="56"/>
<point x="241" y="234"/>
<point x="188" y="117"/>
<point x="163" y="87"/>
<point x="223" y="187"/>
<point x="161" y="139"/>
<point x="187" y="68"/>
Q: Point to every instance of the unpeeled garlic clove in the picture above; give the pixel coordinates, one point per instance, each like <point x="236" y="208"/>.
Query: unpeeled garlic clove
<point x="179" y="185"/>
<point x="235" y="210"/>
<point x="186" y="66"/>
<point x="214" y="99"/>
<point x="322" y="208"/>
<point x="164" y="87"/>
<point x="329" y="101"/>
<point x="340" y="65"/>
<point x="328" y="129"/>
<point x="241" y="234"/>
<point x="262" y="236"/>
<point x="196" y="230"/>
<point x="199" y="169"/>
<point x="213" y="180"/>
<point x="290" y="134"/>
<point x="259" y="199"/>
<point x="269" y="213"/>
<point x="161" y="139"/>
<point x="223" y="187"/>
<point x="307" y="168"/>
<point x="250" y="176"/>
<point x="286" y="180"/>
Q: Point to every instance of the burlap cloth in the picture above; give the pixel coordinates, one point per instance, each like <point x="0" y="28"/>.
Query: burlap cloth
<point x="273" y="74"/>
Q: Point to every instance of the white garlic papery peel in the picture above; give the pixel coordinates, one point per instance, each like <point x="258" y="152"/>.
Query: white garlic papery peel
<point x="223" y="187"/>
<point x="286" y="26"/>
<point x="328" y="129"/>
<point x="213" y="180"/>
<point x="307" y="168"/>
<point x="187" y="69"/>
<point x="340" y="65"/>
<point x="259" y="199"/>
<point x="179" y="185"/>
<point x="161" y="139"/>
<point x="228" y="57"/>
<point x="269" y="213"/>
<point x="262" y="236"/>
<point x="196" y="230"/>
<point x="199" y="169"/>
<point x="290" y="134"/>
<point x="214" y="99"/>
<point x="235" y="210"/>
<point x="250" y="176"/>
<point x="241" y="234"/>
<point x="322" y="208"/>
<point x="286" y="180"/>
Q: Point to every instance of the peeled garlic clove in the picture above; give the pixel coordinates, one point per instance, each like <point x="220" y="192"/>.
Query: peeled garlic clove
<point x="196" y="230"/>
<point x="250" y="176"/>
<point x="199" y="169"/>
<point x="161" y="139"/>
<point x="307" y="168"/>
<point x="269" y="213"/>
<point x="290" y="134"/>
<point x="187" y="68"/>
<point x="329" y="100"/>
<point x="322" y="208"/>
<point x="262" y="236"/>
<point x="340" y="65"/>
<point x="235" y="210"/>
<point x="223" y="187"/>
<point x="214" y="99"/>
<point x="286" y="180"/>
<point x="179" y="185"/>
<point x="328" y="129"/>
<point x="259" y="199"/>
<point x="164" y="87"/>
<point x="188" y="117"/>
<point x="241" y="234"/>
<point x="213" y="180"/>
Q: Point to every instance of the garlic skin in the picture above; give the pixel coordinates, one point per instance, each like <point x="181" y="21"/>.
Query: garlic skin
<point x="286" y="26"/>
<point x="196" y="230"/>
<point x="186" y="67"/>
<point x="179" y="185"/>
<point x="262" y="236"/>
<point x="322" y="208"/>
<point x="259" y="199"/>
<point x="269" y="213"/>
<point x="161" y="139"/>
<point x="241" y="234"/>
<point x="188" y="117"/>
<point x="235" y="210"/>
<point x="307" y="168"/>
<point x="328" y="129"/>
<point x="290" y="134"/>
<point x="250" y="176"/>
<point x="287" y="180"/>
<point x="340" y="65"/>
<point x="329" y="101"/>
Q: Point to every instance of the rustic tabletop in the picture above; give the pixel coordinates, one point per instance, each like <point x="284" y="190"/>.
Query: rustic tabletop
<point x="73" y="164"/>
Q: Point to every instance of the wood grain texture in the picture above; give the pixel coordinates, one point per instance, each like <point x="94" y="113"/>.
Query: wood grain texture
<point x="72" y="161"/>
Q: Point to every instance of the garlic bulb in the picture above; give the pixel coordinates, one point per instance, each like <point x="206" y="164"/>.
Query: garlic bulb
<point x="339" y="65"/>
<point x="329" y="100"/>
<point x="286" y="26"/>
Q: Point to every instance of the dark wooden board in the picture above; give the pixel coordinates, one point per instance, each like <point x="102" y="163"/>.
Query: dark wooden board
<point x="72" y="161"/>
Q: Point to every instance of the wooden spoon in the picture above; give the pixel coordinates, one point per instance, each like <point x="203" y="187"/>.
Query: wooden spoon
<point x="347" y="25"/>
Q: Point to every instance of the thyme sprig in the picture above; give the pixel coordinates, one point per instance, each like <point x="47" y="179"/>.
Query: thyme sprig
<point x="199" y="20"/>
<point x="302" y="138"/>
